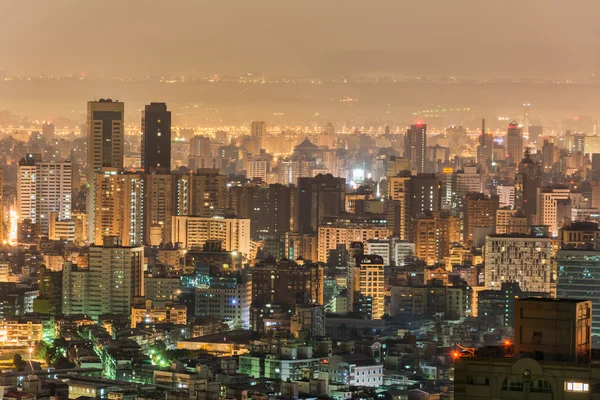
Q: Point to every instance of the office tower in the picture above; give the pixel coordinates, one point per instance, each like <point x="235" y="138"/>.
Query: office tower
<point x="480" y="212"/>
<point x="44" y="188"/>
<point x="372" y="283"/>
<point x="287" y="283"/>
<point x="466" y="180"/>
<point x="158" y="199"/>
<point x="105" y="146"/>
<point x="526" y="259"/>
<point x="317" y="198"/>
<point x="578" y="272"/>
<point x="526" y="121"/>
<point x="553" y="207"/>
<point x="397" y="190"/>
<point x="556" y="329"/>
<point x="258" y="129"/>
<point x="226" y="297"/>
<point x="75" y="288"/>
<point x="527" y="182"/>
<point x="234" y="233"/>
<point x="119" y="207"/>
<point x="514" y="144"/>
<point x="270" y="210"/>
<point x="105" y="135"/>
<point x="424" y="198"/>
<point x="116" y="277"/>
<point x="485" y="150"/>
<point x="415" y="145"/>
<point x="156" y="138"/>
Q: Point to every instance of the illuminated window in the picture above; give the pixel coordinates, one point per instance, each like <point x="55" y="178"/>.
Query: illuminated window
<point x="577" y="387"/>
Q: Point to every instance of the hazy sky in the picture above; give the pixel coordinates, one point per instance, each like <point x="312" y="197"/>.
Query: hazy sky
<point x="301" y="37"/>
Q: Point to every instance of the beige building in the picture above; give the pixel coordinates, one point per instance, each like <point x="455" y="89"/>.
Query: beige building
<point x="372" y="282"/>
<point x="234" y="233"/>
<point x="332" y="235"/>
<point x="159" y="208"/>
<point x="520" y="258"/>
<point x="119" y="207"/>
<point x="156" y="315"/>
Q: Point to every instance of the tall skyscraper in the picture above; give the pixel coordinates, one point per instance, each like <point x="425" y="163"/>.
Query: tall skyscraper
<point x="415" y="146"/>
<point x="485" y="150"/>
<point x="156" y="138"/>
<point x="258" y="129"/>
<point x="105" y="133"/>
<point x="159" y="201"/>
<point x="514" y="143"/>
<point x="319" y="197"/>
<point x="423" y="199"/>
<point x="527" y="182"/>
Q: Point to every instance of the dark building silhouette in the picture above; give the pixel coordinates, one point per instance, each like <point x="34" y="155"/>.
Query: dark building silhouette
<point x="317" y="198"/>
<point x="415" y="146"/>
<point x="527" y="181"/>
<point x="156" y="138"/>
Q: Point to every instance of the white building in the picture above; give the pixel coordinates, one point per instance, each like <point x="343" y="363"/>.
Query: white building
<point x="506" y="196"/>
<point x="524" y="259"/>
<point x="392" y="250"/>
<point x="257" y="168"/>
<point x="43" y="188"/>
<point x="549" y="204"/>
<point x="234" y="233"/>
<point x="503" y="217"/>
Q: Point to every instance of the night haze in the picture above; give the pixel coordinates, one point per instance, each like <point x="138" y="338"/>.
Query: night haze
<point x="299" y="200"/>
<point x="465" y="38"/>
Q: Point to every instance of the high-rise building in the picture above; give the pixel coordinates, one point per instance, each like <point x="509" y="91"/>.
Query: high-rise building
<point x="105" y="135"/>
<point x="527" y="182"/>
<point x="526" y="121"/>
<point x="514" y="144"/>
<point x="415" y="146"/>
<point x="44" y="188"/>
<point x="553" y="207"/>
<point x="258" y="129"/>
<point x="119" y="207"/>
<point x="116" y="277"/>
<point x="158" y="199"/>
<point x="485" y="150"/>
<point x="480" y="212"/>
<point x="372" y="282"/>
<point x="578" y="272"/>
<point x="258" y="167"/>
<point x="526" y="259"/>
<point x="332" y="235"/>
<point x="317" y="198"/>
<point x="423" y="199"/>
<point x="234" y="233"/>
<point x="75" y="288"/>
<point x="426" y="239"/>
<point x="105" y="146"/>
<point x="156" y="138"/>
<point x="270" y="210"/>
<point x="202" y="193"/>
